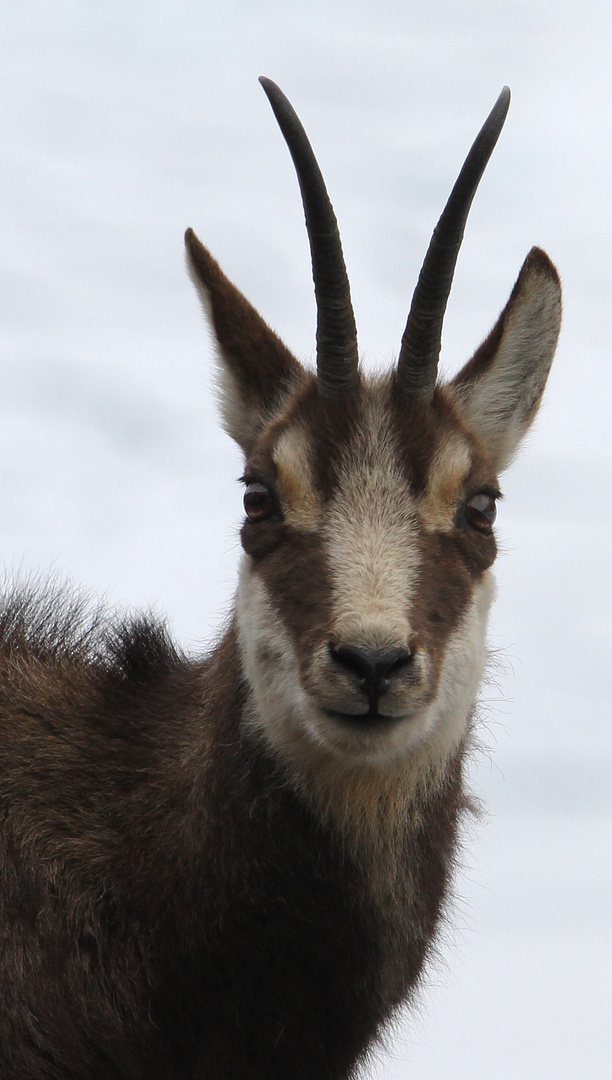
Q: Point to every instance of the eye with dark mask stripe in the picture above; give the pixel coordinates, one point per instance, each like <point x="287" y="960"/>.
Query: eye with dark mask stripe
<point x="259" y="502"/>
<point x="481" y="511"/>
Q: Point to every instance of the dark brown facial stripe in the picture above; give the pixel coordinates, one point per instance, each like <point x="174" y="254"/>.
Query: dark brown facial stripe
<point x="296" y="577"/>
<point x="417" y="426"/>
<point x="331" y="426"/>
<point x="444" y="591"/>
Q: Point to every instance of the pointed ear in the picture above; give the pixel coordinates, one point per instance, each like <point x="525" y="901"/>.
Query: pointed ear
<point x="499" y="390"/>
<point x="256" y="368"/>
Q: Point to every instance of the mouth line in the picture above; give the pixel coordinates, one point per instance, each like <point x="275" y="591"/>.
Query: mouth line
<point x="365" y="721"/>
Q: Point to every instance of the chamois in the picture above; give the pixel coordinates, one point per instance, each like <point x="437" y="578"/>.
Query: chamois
<point x="233" y="868"/>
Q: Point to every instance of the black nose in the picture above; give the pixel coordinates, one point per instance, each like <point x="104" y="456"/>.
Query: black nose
<point x="373" y="670"/>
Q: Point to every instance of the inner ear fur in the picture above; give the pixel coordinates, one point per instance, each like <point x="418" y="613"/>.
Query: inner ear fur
<point x="256" y="369"/>
<point x="500" y="388"/>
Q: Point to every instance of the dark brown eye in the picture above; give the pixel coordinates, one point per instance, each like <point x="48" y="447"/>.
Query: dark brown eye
<point x="481" y="512"/>
<point x="258" y="502"/>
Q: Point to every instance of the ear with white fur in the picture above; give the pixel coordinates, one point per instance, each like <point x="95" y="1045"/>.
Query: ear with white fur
<point x="500" y="388"/>
<point x="256" y="368"/>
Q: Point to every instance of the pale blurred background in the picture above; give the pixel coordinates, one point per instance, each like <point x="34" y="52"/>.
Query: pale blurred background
<point x="124" y="123"/>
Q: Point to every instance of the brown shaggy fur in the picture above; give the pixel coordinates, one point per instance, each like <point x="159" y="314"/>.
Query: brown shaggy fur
<point x="169" y="907"/>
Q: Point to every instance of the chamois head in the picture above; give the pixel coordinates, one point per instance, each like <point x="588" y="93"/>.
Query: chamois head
<point x="370" y="501"/>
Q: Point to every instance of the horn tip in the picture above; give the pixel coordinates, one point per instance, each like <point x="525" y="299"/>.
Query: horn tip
<point x="268" y="85"/>
<point x="503" y="101"/>
<point x="281" y="106"/>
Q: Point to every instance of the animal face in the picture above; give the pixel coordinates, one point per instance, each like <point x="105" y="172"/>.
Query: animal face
<point x="365" y="584"/>
<point x="370" y="502"/>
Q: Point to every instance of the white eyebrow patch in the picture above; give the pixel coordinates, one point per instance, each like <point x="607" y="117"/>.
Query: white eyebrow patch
<point x="447" y="475"/>
<point x="300" y="500"/>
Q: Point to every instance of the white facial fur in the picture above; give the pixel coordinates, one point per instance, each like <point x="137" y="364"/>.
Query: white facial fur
<point x="290" y="717"/>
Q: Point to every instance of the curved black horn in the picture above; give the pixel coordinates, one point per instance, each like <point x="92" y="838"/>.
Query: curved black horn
<point x="420" y="351"/>
<point x="337" y="357"/>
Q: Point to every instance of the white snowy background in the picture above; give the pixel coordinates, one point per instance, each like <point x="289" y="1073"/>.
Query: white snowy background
<point x="123" y="123"/>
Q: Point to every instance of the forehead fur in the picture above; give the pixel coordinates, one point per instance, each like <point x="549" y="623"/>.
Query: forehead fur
<point x="313" y="449"/>
<point x="313" y="445"/>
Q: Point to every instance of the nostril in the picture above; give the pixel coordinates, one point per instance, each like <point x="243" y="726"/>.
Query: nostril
<point x="372" y="669"/>
<point x="355" y="659"/>
<point x="393" y="661"/>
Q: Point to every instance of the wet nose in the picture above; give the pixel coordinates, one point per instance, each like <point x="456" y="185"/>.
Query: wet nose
<point x="374" y="670"/>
